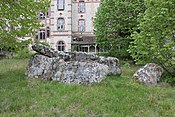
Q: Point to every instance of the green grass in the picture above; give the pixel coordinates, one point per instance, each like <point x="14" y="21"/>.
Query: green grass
<point x="113" y="97"/>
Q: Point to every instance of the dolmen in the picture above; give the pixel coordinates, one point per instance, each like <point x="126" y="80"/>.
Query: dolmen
<point x="70" y="67"/>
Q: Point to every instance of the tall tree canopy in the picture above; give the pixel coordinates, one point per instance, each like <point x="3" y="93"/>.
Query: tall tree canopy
<point x="156" y="40"/>
<point x="19" y="18"/>
<point x="114" y="23"/>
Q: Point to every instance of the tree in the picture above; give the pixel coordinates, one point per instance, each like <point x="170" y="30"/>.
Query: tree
<point x="19" y="18"/>
<point x="155" y="41"/>
<point x="114" y="23"/>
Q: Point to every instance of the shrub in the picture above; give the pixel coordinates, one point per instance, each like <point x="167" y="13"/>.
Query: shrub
<point x="23" y="53"/>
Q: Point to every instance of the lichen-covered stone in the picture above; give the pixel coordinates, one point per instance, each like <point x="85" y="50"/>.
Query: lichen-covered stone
<point x="71" y="67"/>
<point x="39" y="66"/>
<point x="81" y="72"/>
<point x="112" y="63"/>
<point x="150" y="74"/>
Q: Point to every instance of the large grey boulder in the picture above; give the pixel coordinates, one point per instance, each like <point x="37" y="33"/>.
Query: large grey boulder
<point x="68" y="72"/>
<point x="71" y="67"/>
<point x="150" y="74"/>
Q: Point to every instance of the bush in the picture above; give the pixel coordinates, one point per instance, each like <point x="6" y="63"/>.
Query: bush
<point x="120" y="54"/>
<point x="43" y="43"/>
<point x="23" y="53"/>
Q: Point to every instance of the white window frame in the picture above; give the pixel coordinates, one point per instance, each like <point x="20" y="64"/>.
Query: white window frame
<point x="60" y="24"/>
<point x="60" y="4"/>
<point x="81" y="24"/>
<point x="81" y="6"/>
<point x="42" y="34"/>
<point x="60" y="46"/>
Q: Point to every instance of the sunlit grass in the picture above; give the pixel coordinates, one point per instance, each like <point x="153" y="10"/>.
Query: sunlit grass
<point x="114" y="97"/>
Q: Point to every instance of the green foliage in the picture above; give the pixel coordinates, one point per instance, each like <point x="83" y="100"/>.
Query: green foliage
<point x="9" y="50"/>
<point x="113" y="97"/>
<point x="155" y="41"/>
<point x="19" y="18"/>
<point x="115" y="21"/>
<point x="43" y="43"/>
<point x="23" y="53"/>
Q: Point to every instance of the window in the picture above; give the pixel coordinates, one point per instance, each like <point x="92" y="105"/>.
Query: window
<point x="40" y="34"/>
<point x="61" y="46"/>
<point x="48" y="32"/>
<point x="81" y="7"/>
<point x="81" y="25"/>
<point x="42" y="15"/>
<point x="36" y="35"/>
<point x="60" y="24"/>
<point x="48" y="12"/>
<point x="60" y="4"/>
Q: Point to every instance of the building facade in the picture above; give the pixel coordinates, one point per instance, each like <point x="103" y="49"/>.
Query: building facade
<point x="68" y="25"/>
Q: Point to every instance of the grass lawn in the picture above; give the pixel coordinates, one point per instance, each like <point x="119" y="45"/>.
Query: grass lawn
<point x="113" y="97"/>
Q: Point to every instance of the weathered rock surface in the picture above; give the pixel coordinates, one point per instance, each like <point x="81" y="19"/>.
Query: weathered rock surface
<point x="70" y="67"/>
<point x="150" y="74"/>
